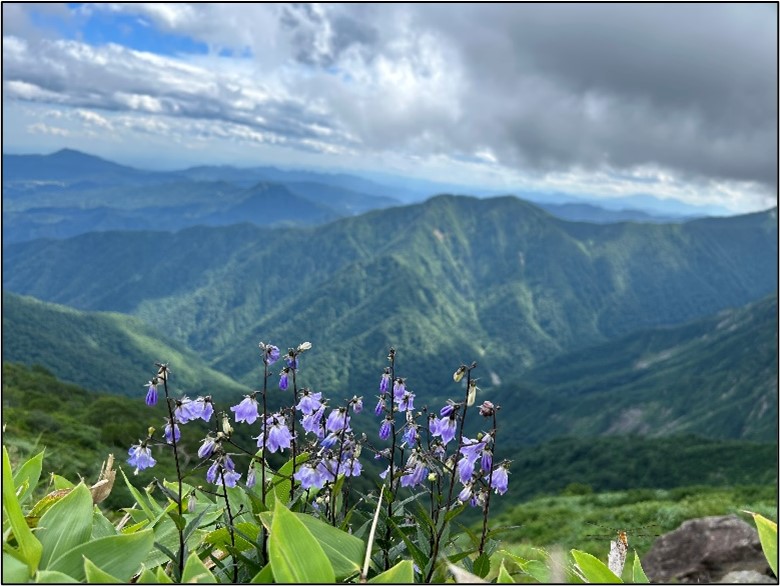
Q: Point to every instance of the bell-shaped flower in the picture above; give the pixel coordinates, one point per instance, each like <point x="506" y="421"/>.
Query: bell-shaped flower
<point x="500" y="479"/>
<point x="140" y="457"/>
<point x="246" y="410"/>
<point x="171" y="433"/>
<point x="151" y="394"/>
<point x="338" y="420"/>
<point x="209" y="443"/>
<point x="186" y="410"/>
<point x="385" y="429"/>
<point x="309" y="402"/>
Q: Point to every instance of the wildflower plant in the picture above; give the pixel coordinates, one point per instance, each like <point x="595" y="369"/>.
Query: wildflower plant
<point x="232" y="497"/>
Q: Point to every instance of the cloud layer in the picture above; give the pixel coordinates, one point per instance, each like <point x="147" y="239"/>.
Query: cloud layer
<point x="681" y="96"/>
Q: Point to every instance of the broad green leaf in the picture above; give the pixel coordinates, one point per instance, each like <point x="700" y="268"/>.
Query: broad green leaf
<point x="503" y="575"/>
<point x="264" y="576"/>
<point x="66" y="524"/>
<point x="294" y="553"/>
<point x="593" y="569"/>
<point x="196" y="571"/>
<point x="14" y="570"/>
<point x="142" y="502"/>
<point x="482" y="565"/>
<point x="221" y="537"/>
<point x="28" y="475"/>
<point x="280" y="485"/>
<point x="767" y="534"/>
<point x="401" y="573"/>
<point x="534" y="568"/>
<point x="105" y="552"/>
<point x="54" y="577"/>
<point x="101" y="527"/>
<point x="464" y="576"/>
<point x="162" y="577"/>
<point x="30" y="549"/>
<point x="147" y="577"/>
<point x="60" y="482"/>
<point x="344" y="551"/>
<point x="97" y="576"/>
<point x="639" y="576"/>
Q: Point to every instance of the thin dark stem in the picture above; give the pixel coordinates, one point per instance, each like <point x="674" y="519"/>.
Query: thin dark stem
<point x="486" y="511"/>
<point x="172" y="419"/>
<point x="338" y="465"/>
<point x="292" y="426"/>
<point x="263" y="463"/>
<point x="440" y="532"/>
<point x="392" y="458"/>
<point x="230" y="525"/>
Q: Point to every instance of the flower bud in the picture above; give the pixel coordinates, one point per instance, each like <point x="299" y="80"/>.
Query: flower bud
<point x="487" y="409"/>
<point x="458" y="374"/>
<point x="432" y="477"/>
<point x="304" y="346"/>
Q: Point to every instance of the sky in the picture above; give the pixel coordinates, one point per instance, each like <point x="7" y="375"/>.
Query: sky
<point x="601" y="100"/>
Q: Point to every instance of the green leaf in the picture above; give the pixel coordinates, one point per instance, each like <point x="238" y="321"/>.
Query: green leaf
<point x="344" y="551"/>
<point x="147" y="577"/>
<point x="66" y="524"/>
<point x="767" y="534"/>
<point x="264" y="576"/>
<point x="28" y="476"/>
<point x="162" y="577"/>
<point x="30" y="549"/>
<point x="280" y="486"/>
<point x="97" y="576"/>
<point x="221" y="537"/>
<point x="14" y="570"/>
<point x="295" y="555"/>
<point x="593" y="569"/>
<point x="401" y="573"/>
<point x="482" y="565"/>
<point x="142" y="502"/>
<point x="60" y="482"/>
<point x="639" y="576"/>
<point x="104" y="552"/>
<point x="534" y="568"/>
<point x="196" y="571"/>
<point x="54" y="577"/>
<point x="101" y="527"/>
<point x="503" y="575"/>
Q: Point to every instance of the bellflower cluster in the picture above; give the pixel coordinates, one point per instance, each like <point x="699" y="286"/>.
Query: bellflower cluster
<point x="221" y="469"/>
<point x="270" y="353"/>
<point x="445" y="427"/>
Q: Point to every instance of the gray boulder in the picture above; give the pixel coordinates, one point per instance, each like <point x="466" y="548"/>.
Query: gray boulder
<point x="705" y="550"/>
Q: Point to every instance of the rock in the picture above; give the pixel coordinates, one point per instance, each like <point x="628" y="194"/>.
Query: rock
<point x="747" y="577"/>
<point x="706" y="550"/>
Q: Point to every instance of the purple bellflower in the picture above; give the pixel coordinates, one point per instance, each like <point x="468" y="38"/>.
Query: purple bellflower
<point x="140" y="457"/>
<point x="380" y="406"/>
<point x="209" y="443"/>
<point x="500" y="479"/>
<point x="399" y="388"/>
<point x="270" y="353"/>
<point x="384" y="382"/>
<point x="246" y="410"/>
<point x="310" y="477"/>
<point x="338" y="420"/>
<point x="151" y="394"/>
<point x="385" y="429"/>
<point x="407" y="402"/>
<point x="171" y="433"/>
<point x="205" y="408"/>
<point x="284" y="378"/>
<point x="278" y="437"/>
<point x="309" y="402"/>
<point x="186" y="410"/>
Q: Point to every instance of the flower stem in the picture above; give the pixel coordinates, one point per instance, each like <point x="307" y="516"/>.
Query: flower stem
<point x="172" y="419"/>
<point x="486" y="510"/>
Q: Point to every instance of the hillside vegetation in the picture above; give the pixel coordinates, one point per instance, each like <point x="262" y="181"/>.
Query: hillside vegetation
<point x="496" y="280"/>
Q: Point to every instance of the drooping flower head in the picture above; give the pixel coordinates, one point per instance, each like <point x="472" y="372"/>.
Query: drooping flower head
<point x="270" y="353"/>
<point x="399" y="388"/>
<point x="385" y="429"/>
<point x="246" y="410"/>
<point x="206" y="407"/>
<point x="444" y="427"/>
<point x="338" y="420"/>
<point x="384" y="382"/>
<point x="140" y="457"/>
<point x="415" y="471"/>
<point x="151" y="393"/>
<point x="356" y="403"/>
<point x="380" y="406"/>
<point x="310" y="476"/>
<point x="251" y="477"/>
<point x="171" y="433"/>
<point x="291" y="359"/>
<point x="186" y="410"/>
<point x="209" y="443"/>
<point x="309" y="402"/>
<point x="410" y="434"/>
<point x="223" y="472"/>
<point x="407" y="402"/>
<point x="284" y="378"/>
<point x="500" y="478"/>
<point x="311" y="422"/>
<point x="278" y="434"/>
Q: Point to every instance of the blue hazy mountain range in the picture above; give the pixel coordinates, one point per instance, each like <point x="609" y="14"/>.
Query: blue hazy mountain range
<point x="69" y="193"/>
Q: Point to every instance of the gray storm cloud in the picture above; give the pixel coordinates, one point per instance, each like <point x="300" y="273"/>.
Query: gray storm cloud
<point x="540" y="88"/>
